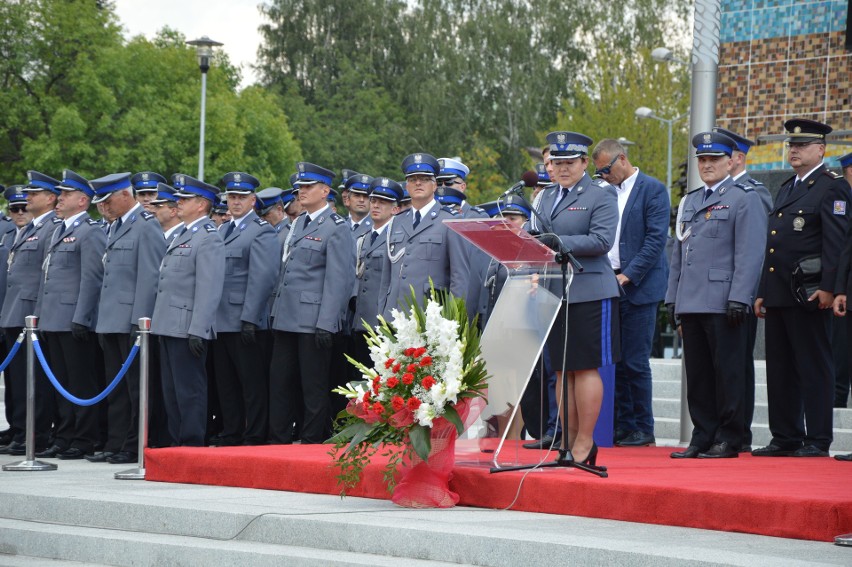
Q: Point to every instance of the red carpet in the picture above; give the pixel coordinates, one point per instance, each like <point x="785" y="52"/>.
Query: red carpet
<point x="785" y="497"/>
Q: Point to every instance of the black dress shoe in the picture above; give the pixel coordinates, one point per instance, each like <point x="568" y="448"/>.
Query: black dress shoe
<point x="71" y="454"/>
<point x="16" y="448"/>
<point x="6" y="436"/>
<point x="543" y="443"/>
<point x="719" y="451"/>
<point x="810" y="451"/>
<point x="637" y="439"/>
<point x="620" y="434"/>
<point x="122" y="458"/>
<point x="745" y="449"/>
<point x="773" y="450"/>
<point x="847" y="457"/>
<point x="50" y="452"/>
<point x="225" y="442"/>
<point x="99" y="457"/>
<point x="690" y="452"/>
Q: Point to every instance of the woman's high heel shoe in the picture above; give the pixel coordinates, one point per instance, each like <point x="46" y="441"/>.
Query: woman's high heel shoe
<point x="592" y="457"/>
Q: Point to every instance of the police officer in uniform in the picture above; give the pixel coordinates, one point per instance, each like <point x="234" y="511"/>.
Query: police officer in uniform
<point x="844" y="284"/>
<point x="358" y="187"/>
<point x="219" y="213"/>
<point x="6" y="224"/>
<point x="420" y="246"/>
<point x="135" y="247"/>
<point x="165" y="209"/>
<point x="251" y="268"/>
<point x="188" y="294"/>
<point x="145" y="187"/>
<point x="316" y="282"/>
<point x="270" y="207"/>
<point x="67" y="311"/>
<point x="26" y="255"/>
<point x="741" y="177"/>
<point x="808" y="221"/>
<point x="711" y="286"/>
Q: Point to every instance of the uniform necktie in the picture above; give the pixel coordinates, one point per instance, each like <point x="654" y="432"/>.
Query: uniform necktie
<point x="307" y="221"/>
<point x="230" y="229"/>
<point x="23" y="232"/>
<point x="355" y="226"/>
<point x="708" y="193"/>
<point x="373" y="236"/>
<point x="59" y="232"/>
<point x="183" y="231"/>
<point x="115" y="226"/>
<point x="563" y="192"/>
<point x="796" y="184"/>
<point x="416" y="218"/>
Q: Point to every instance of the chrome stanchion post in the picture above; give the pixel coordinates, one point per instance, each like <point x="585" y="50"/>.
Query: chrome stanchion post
<point x="144" y="335"/>
<point x="29" y="463"/>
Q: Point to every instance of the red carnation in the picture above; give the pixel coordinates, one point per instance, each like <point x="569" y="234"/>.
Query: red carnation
<point x="420" y="352"/>
<point x="411" y="368"/>
<point x="397" y="403"/>
<point x="366" y="397"/>
<point x="413" y="403"/>
<point x="393" y="382"/>
<point x="428" y="382"/>
<point x="378" y="408"/>
<point x="408" y="378"/>
<point x="409" y="351"/>
<point x="388" y="363"/>
<point x="426" y="361"/>
<point x="396" y="367"/>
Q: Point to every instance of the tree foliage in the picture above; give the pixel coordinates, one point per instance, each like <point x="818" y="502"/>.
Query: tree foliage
<point x="76" y="95"/>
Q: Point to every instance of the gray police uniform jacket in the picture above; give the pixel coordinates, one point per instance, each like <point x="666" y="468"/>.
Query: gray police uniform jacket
<point x="765" y="196"/>
<point x="585" y="220"/>
<point x="7" y="226"/>
<point x="721" y="254"/>
<point x="417" y="254"/>
<point x="251" y="269"/>
<point x="73" y="274"/>
<point x="281" y="230"/>
<point x="364" y="227"/>
<point x="317" y="276"/>
<point x="190" y="284"/>
<point x="371" y="280"/>
<point x="131" y="267"/>
<point x="24" y="271"/>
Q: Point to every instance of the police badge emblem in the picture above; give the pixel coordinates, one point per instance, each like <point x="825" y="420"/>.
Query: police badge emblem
<point x="385" y="181"/>
<point x="418" y="158"/>
<point x="238" y="178"/>
<point x="798" y="224"/>
<point x="561" y="138"/>
<point x="144" y="177"/>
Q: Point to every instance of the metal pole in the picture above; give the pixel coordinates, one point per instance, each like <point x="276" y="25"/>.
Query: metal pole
<point x="705" y="69"/>
<point x="29" y="463"/>
<point x="669" y="161"/>
<point x="203" y="112"/>
<point x="144" y="335"/>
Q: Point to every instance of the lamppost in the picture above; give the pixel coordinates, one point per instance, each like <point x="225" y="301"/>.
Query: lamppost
<point x="204" y="48"/>
<point x="645" y="112"/>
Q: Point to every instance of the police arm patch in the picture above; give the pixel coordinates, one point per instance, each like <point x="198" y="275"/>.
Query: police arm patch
<point x="840" y="208"/>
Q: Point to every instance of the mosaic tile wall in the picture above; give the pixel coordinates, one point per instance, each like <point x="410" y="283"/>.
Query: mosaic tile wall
<point x="780" y="59"/>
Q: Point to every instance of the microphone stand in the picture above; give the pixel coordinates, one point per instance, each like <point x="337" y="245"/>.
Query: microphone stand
<point x="564" y="256"/>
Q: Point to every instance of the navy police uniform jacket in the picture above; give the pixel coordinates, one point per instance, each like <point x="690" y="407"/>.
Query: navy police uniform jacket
<point x="585" y="220"/>
<point x="317" y="276"/>
<point x="252" y="256"/>
<point x="24" y="271"/>
<point x="131" y="267"/>
<point x="810" y="220"/>
<point x="190" y="284"/>
<point x="417" y="254"/>
<point x="720" y="256"/>
<point x="73" y="273"/>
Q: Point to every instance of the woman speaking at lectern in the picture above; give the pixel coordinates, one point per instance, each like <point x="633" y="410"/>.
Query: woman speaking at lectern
<point x="583" y="213"/>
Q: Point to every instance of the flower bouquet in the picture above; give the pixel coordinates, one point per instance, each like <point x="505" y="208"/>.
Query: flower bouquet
<point x="427" y="384"/>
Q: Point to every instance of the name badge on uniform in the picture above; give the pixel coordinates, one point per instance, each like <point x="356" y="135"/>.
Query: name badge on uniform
<point x="798" y="224"/>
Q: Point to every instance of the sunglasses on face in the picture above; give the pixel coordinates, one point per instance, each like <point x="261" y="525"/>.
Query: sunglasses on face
<point x="448" y="182"/>
<point x="17" y="209"/>
<point x="608" y="169"/>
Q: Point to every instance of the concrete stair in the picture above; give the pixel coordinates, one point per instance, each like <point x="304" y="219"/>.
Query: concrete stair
<point x="666" y="388"/>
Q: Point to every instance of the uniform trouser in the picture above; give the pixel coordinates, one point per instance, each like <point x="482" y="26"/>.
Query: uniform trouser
<point x="799" y="376"/>
<point x="748" y="407"/>
<point x="158" y="434"/>
<point x="70" y="360"/>
<point x="841" y="340"/>
<point x="242" y="380"/>
<point x="298" y="365"/>
<point x="184" y="391"/>
<point x="714" y="355"/>
<point x="633" y="396"/>
<point x="123" y="412"/>
<point x="16" y="395"/>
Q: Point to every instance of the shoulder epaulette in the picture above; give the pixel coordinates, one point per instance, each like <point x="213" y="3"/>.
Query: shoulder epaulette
<point x="599" y="182"/>
<point x="832" y="174"/>
<point x="7" y="218"/>
<point x="744" y="186"/>
<point x="57" y="220"/>
<point x="147" y="216"/>
<point x="260" y="221"/>
<point x="478" y="209"/>
<point x="449" y="210"/>
<point x="754" y="181"/>
<point x="93" y="222"/>
<point x="210" y="228"/>
<point x="337" y="218"/>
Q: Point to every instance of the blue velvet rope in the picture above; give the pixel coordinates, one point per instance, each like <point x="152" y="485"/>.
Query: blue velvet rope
<point x="15" y="348"/>
<point x="71" y="397"/>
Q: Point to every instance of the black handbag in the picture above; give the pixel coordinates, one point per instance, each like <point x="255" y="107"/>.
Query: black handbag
<point x="807" y="274"/>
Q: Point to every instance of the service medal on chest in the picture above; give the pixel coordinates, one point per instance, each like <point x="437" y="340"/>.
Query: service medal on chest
<point x="798" y="224"/>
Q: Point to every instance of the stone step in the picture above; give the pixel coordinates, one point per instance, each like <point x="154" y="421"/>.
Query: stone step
<point x="671" y="389"/>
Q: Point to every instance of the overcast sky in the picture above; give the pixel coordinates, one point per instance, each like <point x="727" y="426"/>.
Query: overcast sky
<point x="232" y="22"/>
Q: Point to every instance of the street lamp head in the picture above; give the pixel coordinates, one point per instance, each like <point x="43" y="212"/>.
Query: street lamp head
<point x="662" y="54"/>
<point x="644" y="112"/>
<point x="625" y="142"/>
<point x="204" y="48"/>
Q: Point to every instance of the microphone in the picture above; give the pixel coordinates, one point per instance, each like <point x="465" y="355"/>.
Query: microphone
<point x="528" y="179"/>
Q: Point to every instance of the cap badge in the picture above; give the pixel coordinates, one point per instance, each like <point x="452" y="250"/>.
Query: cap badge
<point x="441" y="163"/>
<point x="181" y="179"/>
<point x="797" y="130"/>
<point x="418" y="158"/>
<point x="707" y="138"/>
<point x="385" y="181"/>
<point x="144" y="177"/>
<point x="30" y="175"/>
<point x="237" y="177"/>
<point x="364" y="178"/>
<point x="560" y="138"/>
<point x="301" y="167"/>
